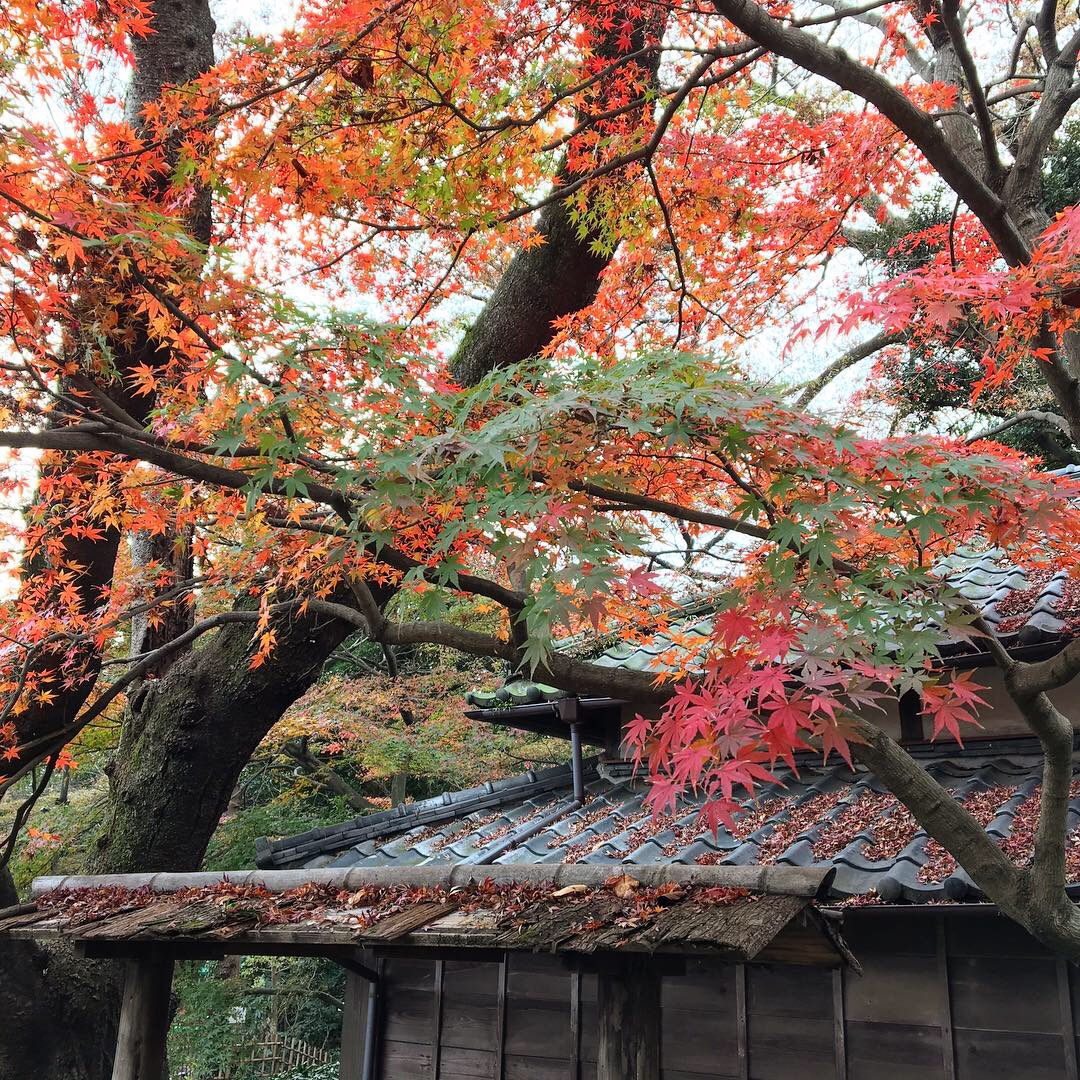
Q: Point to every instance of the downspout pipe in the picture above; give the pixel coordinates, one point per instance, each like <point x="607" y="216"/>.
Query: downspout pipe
<point x="575" y="758"/>
<point x="371" y="1029"/>
<point x="568" y="710"/>
<point x="373" y="976"/>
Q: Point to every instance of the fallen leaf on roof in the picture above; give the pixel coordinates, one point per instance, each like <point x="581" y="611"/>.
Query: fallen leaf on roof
<point x="569" y="890"/>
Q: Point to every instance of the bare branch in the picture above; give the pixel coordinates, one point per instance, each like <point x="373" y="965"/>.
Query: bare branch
<point x="836" y="65"/>
<point x="950" y="15"/>
<point x="1021" y="417"/>
<point x="1045" y="26"/>
<point x="810" y="390"/>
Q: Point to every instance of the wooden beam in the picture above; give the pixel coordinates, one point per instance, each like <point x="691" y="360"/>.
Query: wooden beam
<point x="500" y="1017"/>
<point x="948" y="1042"/>
<point x="144" y="1020"/>
<point x="1068" y="1028"/>
<point x="629" y="1006"/>
<point x="436" y="1035"/>
<point x="353" y="1025"/>
<point x="742" y="1024"/>
<point x="839" y="1031"/>
<point x="575" y="1027"/>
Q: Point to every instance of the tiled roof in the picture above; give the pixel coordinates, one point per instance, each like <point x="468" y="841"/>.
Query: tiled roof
<point x="827" y="816"/>
<point x="1023" y="607"/>
<point x="736" y="912"/>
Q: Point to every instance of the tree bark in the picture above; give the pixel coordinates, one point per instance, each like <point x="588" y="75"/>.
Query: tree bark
<point x="180" y="47"/>
<point x="190" y="734"/>
<point x="322" y="773"/>
<point x="560" y="276"/>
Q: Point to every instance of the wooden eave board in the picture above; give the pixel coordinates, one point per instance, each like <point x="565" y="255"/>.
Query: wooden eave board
<point x="740" y="930"/>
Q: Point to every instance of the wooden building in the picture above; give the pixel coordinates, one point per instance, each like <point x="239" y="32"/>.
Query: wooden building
<point x="548" y="926"/>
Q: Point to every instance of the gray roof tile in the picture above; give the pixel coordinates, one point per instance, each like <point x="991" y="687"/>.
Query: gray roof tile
<point x="614" y="827"/>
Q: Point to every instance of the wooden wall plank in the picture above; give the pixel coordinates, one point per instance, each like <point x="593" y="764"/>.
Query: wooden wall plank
<point x="524" y="1067"/>
<point x="708" y="985"/>
<point x="407" y="1015"/>
<point x="538" y="1008"/>
<point x="409" y="974"/>
<point x="893" y="1051"/>
<point x="628" y="1000"/>
<point x="456" y="1062"/>
<point x="404" y="1060"/>
<point x="790" y="1023"/>
<point x="790" y="991"/>
<point x="1005" y="993"/>
<point x="989" y="935"/>
<point x="1008" y="1055"/>
<point x="839" y="1038"/>
<point x="538" y="1028"/>
<point x="948" y="1049"/>
<point x="1068" y="1028"/>
<point x="894" y="989"/>
<point x="699" y="1041"/>
<point x="782" y="1047"/>
<point x="894" y="931"/>
<point x="590" y="1024"/>
<point x="538" y="976"/>
<point x="470" y="1025"/>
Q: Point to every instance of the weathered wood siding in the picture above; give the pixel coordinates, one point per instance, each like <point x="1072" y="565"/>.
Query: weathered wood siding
<point x="943" y="996"/>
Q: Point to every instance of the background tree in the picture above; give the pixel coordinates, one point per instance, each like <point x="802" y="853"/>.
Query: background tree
<point x="323" y="466"/>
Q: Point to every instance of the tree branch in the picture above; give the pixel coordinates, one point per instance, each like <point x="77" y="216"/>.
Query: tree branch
<point x="324" y="774"/>
<point x="1045" y="27"/>
<point x="938" y="813"/>
<point x="951" y="18"/>
<point x="1021" y="417"/>
<point x="810" y="390"/>
<point x="82" y="439"/>
<point x="834" y="64"/>
<point x="1031" y="679"/>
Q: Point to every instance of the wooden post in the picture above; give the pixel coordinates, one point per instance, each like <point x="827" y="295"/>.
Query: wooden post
<point x="628" y="996"/>
<point x="353" y="1026"/>
<point x="144" y="1020"/>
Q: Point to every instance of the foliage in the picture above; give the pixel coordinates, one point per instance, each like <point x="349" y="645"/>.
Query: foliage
<point x="328" y="1071"/>
<point x="319" y="462"/>
<point x="357" y="724"/>
<point x="232" y="846"/>
<point x="226" y="1007"/>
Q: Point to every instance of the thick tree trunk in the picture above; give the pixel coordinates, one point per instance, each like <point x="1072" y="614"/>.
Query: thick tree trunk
<point x="189" y="735"/>
<point x="180" y="48"/>
<point x="52" y="1003"/>
<point x="185" y="742"/>
<point x="560" y="276"/>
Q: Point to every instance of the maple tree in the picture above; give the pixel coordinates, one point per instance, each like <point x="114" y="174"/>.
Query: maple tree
<point x="626" y="193"/>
